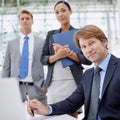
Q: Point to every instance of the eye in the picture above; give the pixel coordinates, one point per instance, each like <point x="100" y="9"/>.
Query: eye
<point x="83" y="47"/>
<point x="22" y="19"/>
<point x="56" y="12"/>
<point x="27" y="18"/>
<point x="92" y="42"/>
<point x="63" y="10"/>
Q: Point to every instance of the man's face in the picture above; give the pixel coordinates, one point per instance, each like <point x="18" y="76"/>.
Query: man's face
<point x="93" y="49"/>
<point x="25" y="21"/>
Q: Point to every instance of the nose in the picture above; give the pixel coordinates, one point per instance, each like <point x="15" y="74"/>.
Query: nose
<point x="88" y="49"/>
<point x="25" y="19"/>
<point x="60" y="14"/>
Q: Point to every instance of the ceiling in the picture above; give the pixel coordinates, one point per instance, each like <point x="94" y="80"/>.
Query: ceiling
<point x="12" y="6"/>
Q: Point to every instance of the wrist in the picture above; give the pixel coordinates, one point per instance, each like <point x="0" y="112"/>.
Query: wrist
<point x="71" y="52"/>
<point x="49" y="108"/>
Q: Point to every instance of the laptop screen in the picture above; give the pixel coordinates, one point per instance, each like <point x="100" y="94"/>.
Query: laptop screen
<point x="11" y="105"/>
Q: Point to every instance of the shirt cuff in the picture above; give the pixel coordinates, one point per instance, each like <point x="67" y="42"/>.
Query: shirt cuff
<point x="50" y="110"/>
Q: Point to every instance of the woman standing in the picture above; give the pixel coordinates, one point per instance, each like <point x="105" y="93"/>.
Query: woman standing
<point x="61" y="82"/>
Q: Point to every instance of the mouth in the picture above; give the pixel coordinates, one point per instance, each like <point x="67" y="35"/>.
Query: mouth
<point x="61" y="19"/>
<point x="91" y="56"/>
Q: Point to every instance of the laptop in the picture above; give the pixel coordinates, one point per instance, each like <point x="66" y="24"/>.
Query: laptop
<point x="11" y="105"/>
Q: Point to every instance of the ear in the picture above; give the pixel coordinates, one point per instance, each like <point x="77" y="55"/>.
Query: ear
<point x="105" y="42"/>
<point x="70" y="11"/>
<point x="32" y="21"/>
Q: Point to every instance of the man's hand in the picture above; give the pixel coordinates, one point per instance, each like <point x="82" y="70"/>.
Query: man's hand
<point x="37" y="107"/>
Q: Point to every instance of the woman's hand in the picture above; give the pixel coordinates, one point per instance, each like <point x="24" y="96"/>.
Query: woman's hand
<point x="63" y="52"/>
<point x="60" y="52"/>
<point x="56" y="47"/>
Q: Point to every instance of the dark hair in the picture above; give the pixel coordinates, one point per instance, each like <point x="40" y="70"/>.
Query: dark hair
<point x="64" y="2"/>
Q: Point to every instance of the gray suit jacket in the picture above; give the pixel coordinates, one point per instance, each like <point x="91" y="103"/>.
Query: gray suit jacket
<point x="12" y="62"/>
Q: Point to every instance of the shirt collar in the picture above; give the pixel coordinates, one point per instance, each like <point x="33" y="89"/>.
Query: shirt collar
<point x="104" y="63"/>
<point x="29" y="35"/>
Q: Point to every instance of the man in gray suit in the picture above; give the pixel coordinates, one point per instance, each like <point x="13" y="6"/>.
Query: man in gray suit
<point x="32" y="83"/>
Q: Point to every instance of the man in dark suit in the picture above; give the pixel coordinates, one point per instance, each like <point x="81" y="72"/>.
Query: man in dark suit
<point x="11" y="68"/>
<point x="93" y="44"/>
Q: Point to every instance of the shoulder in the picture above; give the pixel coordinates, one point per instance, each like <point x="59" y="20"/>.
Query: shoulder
<point x="114" y="60"/>
<point x="15" y="40"/>
<point x="88" y="72"/>
<point x="38" y="39"/>
<point x="53" y="31"/>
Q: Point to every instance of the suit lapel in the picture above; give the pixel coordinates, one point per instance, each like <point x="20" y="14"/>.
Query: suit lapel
<point x="17" y="48"/>
<point x="90" y="76"/>
<point x="34" y="48"/>
<point x="88" y="84"/>
<point x="16" y="55"/>
<point x="109" y="73"/>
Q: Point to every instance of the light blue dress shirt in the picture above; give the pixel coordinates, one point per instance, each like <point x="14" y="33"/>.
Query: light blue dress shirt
<point x="103" y="66"/>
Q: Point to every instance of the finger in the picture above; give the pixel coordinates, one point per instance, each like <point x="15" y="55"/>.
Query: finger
<point x="29" y="111"/>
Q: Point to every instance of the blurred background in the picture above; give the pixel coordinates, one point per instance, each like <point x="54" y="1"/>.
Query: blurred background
<point x="103" y="13"/>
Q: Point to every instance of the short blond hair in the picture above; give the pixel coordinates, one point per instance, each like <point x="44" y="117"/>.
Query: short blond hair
<point x="25" y="11"/>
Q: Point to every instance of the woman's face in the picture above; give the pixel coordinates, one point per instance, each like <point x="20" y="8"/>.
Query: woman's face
<point x="63" y="13"/>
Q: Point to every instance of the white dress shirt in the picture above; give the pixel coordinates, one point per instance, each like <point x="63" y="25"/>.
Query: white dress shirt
<point x="31" y="47"/>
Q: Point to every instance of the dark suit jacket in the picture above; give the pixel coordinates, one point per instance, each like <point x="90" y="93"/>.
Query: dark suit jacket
<point x="76" y="69"/>
<point x="109" y="107"/>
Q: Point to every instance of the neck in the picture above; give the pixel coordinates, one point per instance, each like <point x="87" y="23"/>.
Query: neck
<point x="102" y="58"/>
<point x="26" y="32"/>
<point x="65" y="28"/>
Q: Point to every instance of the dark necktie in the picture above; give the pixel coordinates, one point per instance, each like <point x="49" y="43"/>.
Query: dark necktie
<point x="24" y="59"/>
<point x="94" y="95"/>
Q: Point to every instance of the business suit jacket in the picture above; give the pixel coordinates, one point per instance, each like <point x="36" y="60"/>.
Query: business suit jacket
<point x="76" y="69"/>
<point x="109" y="107"/>
<point x="12" y="63"/>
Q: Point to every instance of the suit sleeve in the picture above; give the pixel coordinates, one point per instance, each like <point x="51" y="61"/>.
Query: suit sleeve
<point x="71" y="104"/>
<point x="47" y="49"/>
<point x="84" y="60"/>
<point x="6" y="66"/>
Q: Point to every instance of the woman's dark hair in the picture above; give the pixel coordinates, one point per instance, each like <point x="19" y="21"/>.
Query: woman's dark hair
<point x="64" y="2"/>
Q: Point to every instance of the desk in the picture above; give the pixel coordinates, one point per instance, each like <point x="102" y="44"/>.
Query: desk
<point x="58" y="117"/>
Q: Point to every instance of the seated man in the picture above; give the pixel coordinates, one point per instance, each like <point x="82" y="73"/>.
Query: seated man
<point x="93" y="43"/>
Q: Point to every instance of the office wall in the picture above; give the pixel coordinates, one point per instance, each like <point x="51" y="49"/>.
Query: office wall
<point x="103" y="13"/>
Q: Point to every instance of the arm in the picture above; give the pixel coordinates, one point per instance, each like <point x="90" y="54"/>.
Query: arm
<point x="47" y="50"/>
<point x="73" y="56"/>
<point x="37" y="107"/>
<point x="60" y="52"/>
<point x="84" y="60"/>
<point x="67" y="106"/>
<point x="6" y="65"/>
<point x="49" y="54"/>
